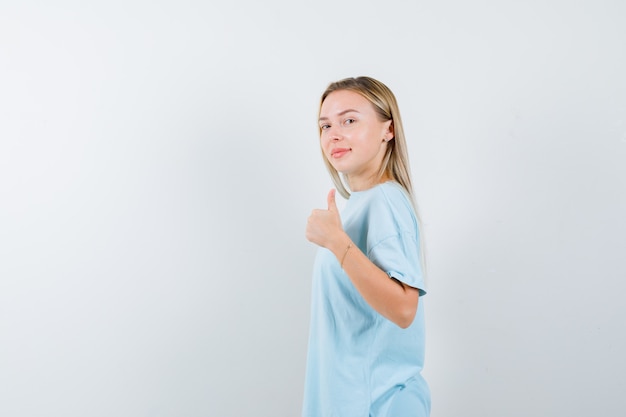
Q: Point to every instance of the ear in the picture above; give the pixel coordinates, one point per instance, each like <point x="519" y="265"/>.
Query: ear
<point x="389" y="132"/>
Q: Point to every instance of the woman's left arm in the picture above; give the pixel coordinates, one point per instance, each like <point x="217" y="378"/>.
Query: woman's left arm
<point x="391" y="298"/>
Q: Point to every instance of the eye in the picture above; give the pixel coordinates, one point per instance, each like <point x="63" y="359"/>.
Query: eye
<point x="324" y="126"/>
<point x="349" y="121"/>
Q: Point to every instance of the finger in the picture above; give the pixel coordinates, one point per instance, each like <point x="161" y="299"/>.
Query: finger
<point x="332" y="205"/>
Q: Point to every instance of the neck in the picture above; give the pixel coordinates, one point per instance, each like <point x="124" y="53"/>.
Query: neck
<point x="362" y="184"/>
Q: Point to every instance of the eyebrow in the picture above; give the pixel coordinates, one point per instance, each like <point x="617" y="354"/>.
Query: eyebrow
<point x="341" y="113"/>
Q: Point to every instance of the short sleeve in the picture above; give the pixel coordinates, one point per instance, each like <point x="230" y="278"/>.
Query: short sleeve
<point x="399" y="256"/>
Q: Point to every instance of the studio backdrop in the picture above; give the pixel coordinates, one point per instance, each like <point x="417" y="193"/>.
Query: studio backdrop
<point x="158" y="162"/>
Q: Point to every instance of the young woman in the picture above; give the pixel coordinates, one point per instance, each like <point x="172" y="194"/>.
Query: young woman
<point x="366" y="344"/>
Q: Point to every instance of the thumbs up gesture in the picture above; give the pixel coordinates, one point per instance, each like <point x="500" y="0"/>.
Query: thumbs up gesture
<point x="324" y="226"/>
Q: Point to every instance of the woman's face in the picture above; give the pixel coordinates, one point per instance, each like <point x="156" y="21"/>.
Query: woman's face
<point x="352" y="136"/>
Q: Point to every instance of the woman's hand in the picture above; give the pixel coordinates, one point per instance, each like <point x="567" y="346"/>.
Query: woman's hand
<point x="324" y="226"/>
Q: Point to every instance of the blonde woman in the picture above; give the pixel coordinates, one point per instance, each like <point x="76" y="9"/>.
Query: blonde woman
<point x="366" y="343"/>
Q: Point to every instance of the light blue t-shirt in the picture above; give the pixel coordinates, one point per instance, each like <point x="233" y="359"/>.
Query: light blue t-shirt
<point x="356" y="357"/>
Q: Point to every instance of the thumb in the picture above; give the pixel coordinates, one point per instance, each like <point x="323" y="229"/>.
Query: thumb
<point x="332" y="205"/>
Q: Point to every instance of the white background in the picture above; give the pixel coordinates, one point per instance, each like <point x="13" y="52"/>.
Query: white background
<point x="158" y="161"/>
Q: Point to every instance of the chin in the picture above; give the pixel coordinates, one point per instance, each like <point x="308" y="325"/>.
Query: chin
<point x="343" y="171"/>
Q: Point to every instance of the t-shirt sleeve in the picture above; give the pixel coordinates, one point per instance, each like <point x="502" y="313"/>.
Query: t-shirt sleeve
<point x="399" y="256"/>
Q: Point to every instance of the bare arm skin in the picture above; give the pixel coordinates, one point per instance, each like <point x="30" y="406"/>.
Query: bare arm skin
<point x="393" y="299"/>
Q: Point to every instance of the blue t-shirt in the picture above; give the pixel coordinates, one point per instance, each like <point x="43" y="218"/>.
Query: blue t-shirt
<point x="356" y="357"/>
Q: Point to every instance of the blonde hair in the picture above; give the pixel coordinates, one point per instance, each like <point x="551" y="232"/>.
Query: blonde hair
<point x="395" y="163"/>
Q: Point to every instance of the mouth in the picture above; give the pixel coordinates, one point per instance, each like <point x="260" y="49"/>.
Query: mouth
<point x="339" y="152"/>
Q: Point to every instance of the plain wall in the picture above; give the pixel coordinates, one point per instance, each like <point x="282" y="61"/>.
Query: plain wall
<point x="158" y="161"/>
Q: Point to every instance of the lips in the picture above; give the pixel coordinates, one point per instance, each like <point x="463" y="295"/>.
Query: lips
<point x="339" y="152"/>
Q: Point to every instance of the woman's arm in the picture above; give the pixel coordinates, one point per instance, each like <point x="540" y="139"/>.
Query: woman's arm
<point x="391" y="298"/>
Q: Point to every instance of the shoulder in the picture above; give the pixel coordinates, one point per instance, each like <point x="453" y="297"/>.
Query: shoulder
<point x="394" y="193"/>
<point x="389" y="205"/>
<point x="391" y="197"/>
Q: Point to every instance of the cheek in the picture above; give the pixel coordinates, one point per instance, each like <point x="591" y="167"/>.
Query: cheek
<point x="325" y="140"/>
<point x="324" y="145"/>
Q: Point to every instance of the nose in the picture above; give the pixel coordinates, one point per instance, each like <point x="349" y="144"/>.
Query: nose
<point x="334" y="134"/>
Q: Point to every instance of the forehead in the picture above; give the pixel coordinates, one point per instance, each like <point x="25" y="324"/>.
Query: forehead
<point x="342" y="100"/>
